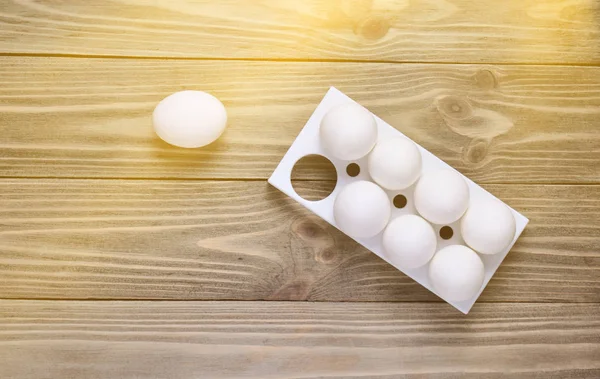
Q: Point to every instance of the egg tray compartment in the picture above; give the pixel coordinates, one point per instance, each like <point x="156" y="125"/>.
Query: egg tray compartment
<point x="308" y="143"/>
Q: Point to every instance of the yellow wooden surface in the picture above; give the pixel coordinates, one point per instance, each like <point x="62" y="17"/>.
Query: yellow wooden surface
<point x="114" y="245"/>
<point x="496" y="124"/>
<point x="465" y="31"/>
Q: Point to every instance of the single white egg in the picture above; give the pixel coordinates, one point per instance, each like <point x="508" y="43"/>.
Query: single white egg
<point x="442" y="197"/>
<point x="395" y="163"/>
<point x="488" y="226"/>
<point x="189" y="119"/>
<point x="456" y="273"/>
<point x="362" y="209"/>
<point x="409" y="241"/>
<point x="348" y="131"/>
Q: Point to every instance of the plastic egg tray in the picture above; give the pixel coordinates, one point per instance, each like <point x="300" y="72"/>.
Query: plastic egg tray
<point x="308" y="143"/>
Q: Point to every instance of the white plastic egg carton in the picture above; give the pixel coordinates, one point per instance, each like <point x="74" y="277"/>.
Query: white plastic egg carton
<point x="308" y="143"/>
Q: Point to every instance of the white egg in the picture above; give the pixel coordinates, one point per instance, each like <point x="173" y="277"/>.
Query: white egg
<point x="488" y="226"/>
<point x="362" y="209"/>
<point x="395" y="163"/>
<point x="189" y="119"/>
<point x="348" y="131"/>
<point x="409" y="241"/>
<point x="442" y="196"/>
<point x="456" y="273"/>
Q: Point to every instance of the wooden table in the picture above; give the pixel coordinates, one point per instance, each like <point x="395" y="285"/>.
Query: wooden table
<point x="123" y="257"/>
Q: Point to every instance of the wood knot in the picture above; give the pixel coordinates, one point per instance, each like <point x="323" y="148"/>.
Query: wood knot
<point x="373" y="28"/>
<point x="454" y="107"/>
<point x="476" y="150"/>
<point x="467" y="120"/>
<point x="486" y="80"/>
<point x="308" y="230"/>
<point x="327" y="256"/>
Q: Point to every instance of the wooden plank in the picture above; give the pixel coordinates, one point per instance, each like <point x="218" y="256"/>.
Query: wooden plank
<point x="198" y="240"/>
<point x="71" y="339"/>
<point x="511" y="31"/>
<point x="92" y="117"/>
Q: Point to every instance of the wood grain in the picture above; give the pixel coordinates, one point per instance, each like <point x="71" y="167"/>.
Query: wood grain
<point x="41" y="339"/>
<point x="62" y="117"/>
<point x="507" y="92"/>
<point x="511" y="31"/>
<point x="198" y="240"/>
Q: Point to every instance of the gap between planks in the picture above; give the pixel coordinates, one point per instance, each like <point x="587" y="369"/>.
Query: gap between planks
<point x="360" y="302"/>
<point x="565" y="184"/>
<point x="291" y="60"/>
